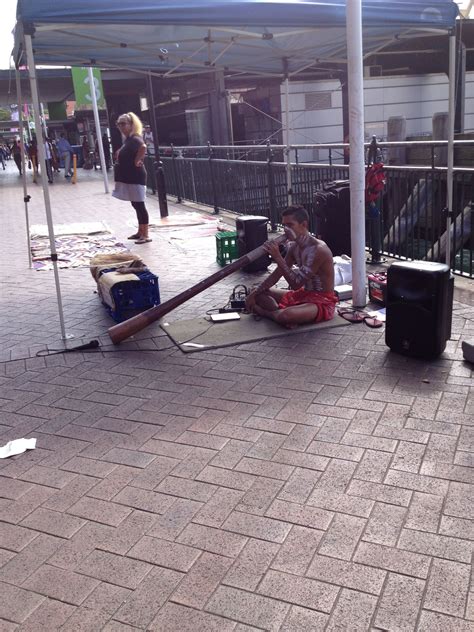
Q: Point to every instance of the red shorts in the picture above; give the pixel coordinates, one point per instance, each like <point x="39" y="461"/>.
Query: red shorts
<point x="325" y="301"/>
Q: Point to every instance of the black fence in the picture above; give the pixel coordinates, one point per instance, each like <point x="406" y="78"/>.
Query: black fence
<point x="412" y="215"/>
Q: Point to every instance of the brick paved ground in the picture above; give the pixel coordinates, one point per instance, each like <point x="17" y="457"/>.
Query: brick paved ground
<point x="314" y="482"/>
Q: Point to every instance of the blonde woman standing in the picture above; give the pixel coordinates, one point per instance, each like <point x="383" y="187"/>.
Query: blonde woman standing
<point x="130" y="173"/>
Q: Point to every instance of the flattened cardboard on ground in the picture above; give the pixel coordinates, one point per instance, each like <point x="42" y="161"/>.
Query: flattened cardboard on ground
<point x="198" y="334"/>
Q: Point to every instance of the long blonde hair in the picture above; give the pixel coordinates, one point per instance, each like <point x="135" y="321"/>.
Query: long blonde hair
<point x="137" y="125"/>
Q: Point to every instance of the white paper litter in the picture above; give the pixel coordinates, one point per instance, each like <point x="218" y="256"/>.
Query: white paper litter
<point x="17" y="446"/>
<point x="77" y="228"/>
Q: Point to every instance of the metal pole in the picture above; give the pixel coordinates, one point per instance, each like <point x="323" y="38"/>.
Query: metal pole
<point x="213" y="180"/>
<point x="451" y="116"/>
<point x="229" y="117"/>
<point x="97" y="129"/>
<point x="44" y="181"/>
<point x="175" y="174"/>
<point x="160" y="174"/>
<point x="26" y="197"/>
<point x="357" y="159"/>
<point x="271" y="189"/>
<point x="287" y="125"/>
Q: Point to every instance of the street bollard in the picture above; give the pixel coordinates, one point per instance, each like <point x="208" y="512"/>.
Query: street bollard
<point x="74" y="169"/>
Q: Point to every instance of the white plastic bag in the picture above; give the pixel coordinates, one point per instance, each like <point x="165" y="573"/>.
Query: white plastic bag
<point x="16" y="446"/>
<point x="342" y="270"/>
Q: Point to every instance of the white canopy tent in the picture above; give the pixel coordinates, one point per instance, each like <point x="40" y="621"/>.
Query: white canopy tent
<point x="247" y="38"/>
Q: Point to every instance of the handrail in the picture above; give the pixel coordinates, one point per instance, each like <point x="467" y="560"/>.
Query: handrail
<point x="405" y="143"/>
<point x="325" y="165"/>
<point x="391" y="143"/>
<point x="412" y="213"/>
<point x="233" y="147"/>
<point x="305" y="165"/>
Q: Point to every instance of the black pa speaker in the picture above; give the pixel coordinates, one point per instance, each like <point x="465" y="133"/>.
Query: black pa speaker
<point x="419" y="308"/>
<point x="332" y="208"/>
<point x="252" y="233"/>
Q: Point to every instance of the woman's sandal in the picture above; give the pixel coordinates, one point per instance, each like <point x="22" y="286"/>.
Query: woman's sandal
<point x="359" y="316"/>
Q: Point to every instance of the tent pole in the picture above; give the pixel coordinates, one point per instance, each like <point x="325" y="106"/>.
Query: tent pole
<point x="357" y="159"/>
<point x="160" y="174"/>
<point x="26" y="197"/>
<point x="44" y="181"/>
<point x="97" y="129"/>
<point x="451" y="116"/>
<point x="287" y="130"/>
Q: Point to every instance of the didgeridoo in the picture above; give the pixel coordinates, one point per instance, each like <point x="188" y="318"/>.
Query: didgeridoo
<point x="133" y="325"/>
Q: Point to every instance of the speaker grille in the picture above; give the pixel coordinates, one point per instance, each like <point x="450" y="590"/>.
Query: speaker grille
<point x="419" y="307"/>
<point x="252" y="233"/>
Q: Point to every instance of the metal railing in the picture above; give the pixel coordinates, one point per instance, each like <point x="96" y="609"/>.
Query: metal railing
<point x="252" y="180"/>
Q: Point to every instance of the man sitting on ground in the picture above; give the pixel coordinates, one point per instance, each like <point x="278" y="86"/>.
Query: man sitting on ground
<point x="309" y="270"/>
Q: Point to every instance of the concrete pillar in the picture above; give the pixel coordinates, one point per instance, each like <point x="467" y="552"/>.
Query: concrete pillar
<point x="219" y="108"/>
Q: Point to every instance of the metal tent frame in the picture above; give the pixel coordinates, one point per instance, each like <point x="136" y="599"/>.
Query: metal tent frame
<point x="244" y="38"/>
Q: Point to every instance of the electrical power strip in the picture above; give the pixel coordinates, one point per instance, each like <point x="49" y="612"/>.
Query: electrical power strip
<point x="231" y="310"/>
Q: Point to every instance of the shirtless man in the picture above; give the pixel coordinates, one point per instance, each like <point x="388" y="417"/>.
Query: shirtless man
<point x="309" y="270"/>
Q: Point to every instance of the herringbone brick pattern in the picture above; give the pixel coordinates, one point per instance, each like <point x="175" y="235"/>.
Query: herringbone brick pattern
<point x="308" y="483"/>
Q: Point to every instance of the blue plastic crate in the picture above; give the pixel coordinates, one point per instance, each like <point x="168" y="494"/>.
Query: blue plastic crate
<point x="133" y="297"/>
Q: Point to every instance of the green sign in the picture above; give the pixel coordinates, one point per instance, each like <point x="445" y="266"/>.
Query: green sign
<point x="80" y="80"/>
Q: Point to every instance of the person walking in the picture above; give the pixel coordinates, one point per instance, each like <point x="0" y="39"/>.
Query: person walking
<point x="106" y="146"/>
<point x="54" y="155"/>
<point x="130" y="173"/>
<point x="65" y="152"/>
<point x="33" y="156"/>
<point x="48" y="158"/>
<point x="16" y="151"/>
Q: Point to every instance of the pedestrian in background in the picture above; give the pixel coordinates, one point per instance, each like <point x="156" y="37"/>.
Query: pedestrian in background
<point x="87" y="154"/>
<point x="106" y="146"/>
<point x="48" y="158"/>
<point x="33" y="156"/>
<point x="65" y="153"/>
<point x="16" y="151"/>
<point x="54" y="155"/>
<point x="130" y="173"/>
